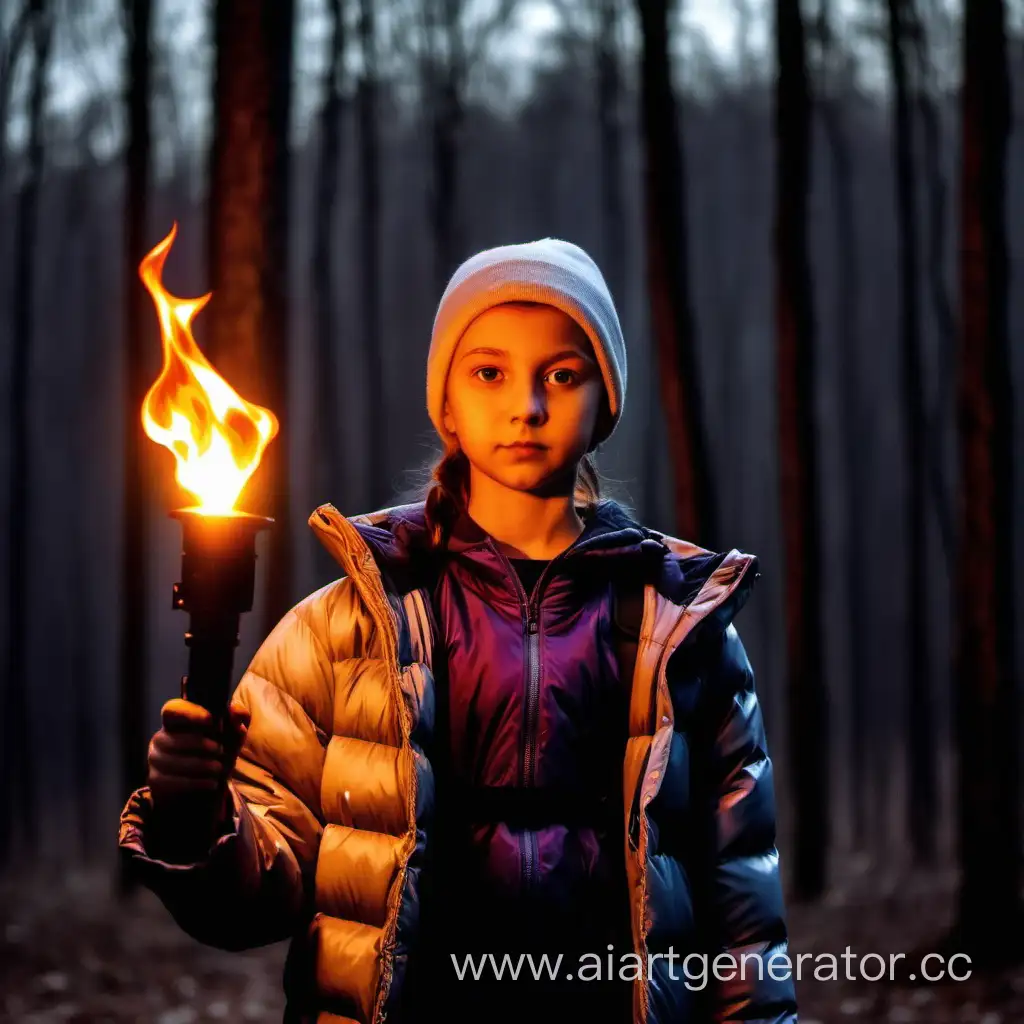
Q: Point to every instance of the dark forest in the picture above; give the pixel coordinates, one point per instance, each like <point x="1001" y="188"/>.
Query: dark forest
<point x="809" y="216"/>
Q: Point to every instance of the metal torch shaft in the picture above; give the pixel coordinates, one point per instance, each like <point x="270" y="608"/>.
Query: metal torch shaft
<point x="218" y="569"/>
<point x="211" y="653"/>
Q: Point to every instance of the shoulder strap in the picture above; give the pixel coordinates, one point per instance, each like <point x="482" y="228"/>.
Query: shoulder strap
<point x="627" y="619"/>
<point x="421" y="629"/>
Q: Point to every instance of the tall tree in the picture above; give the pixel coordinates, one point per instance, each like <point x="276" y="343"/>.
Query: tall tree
<point x="989" y="925"/>
<point x="610" y="90"/>
<point x="369" y="254"/>
<point x="922" y="793"/>
<point x="19" y="783"/>
<point x="609" y="107"/>
<point x="137" y="337"/>
<point x="669" y="282"/>
<point x="601" y="25"/>
<point x="11" y="48"/>
<point x="247" y="224"/>
<point x="927" y="109"/>
<point x="866" y="756"/>
<point x="328" y="433"/>
<point x="12" y="43"/>
<point x="449" y="50"/>
<point x="808" y="704"/>
<point x="445" y="70"/>
<point x="82" y="633"/>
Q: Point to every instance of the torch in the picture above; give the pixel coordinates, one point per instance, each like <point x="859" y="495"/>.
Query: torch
<point x="217" y="439"/>
<point x="218" y="570"/>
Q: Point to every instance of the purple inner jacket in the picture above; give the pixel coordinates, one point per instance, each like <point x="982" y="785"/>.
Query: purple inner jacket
<point x="532" y="724"/>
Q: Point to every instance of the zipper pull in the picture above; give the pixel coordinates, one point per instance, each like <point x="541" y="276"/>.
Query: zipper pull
<point x="531" y="624"/>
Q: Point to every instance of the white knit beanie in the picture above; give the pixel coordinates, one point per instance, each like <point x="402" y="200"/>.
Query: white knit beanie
<point x="549" y="271"/>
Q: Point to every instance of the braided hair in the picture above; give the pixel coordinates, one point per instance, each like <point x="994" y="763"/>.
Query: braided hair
<point x="448" y="493"/>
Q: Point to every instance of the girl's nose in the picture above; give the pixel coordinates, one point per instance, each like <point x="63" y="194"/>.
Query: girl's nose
<point x="530" y="403"/>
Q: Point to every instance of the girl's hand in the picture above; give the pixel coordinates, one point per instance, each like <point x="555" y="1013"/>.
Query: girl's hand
<point x="189" y="763"/>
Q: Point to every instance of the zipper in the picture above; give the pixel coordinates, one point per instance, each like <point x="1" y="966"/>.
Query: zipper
<point x="530" y="731"/>
<point x="529" y="762"/>
<point x="529" y="609"/>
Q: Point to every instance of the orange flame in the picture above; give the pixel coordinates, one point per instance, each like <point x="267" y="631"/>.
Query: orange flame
<point x="216" y="436"/>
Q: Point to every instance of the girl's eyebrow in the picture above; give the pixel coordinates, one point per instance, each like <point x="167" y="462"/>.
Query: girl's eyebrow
<point x="568" y="353"/>
<point x="483" y="351"/>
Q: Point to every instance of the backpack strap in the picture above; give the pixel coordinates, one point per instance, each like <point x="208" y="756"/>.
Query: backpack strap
<point x="626" y="621"/>
<point x="419" y="616"/>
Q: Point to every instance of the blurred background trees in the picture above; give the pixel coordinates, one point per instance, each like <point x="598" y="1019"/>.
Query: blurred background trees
<point x="806" y="213"/>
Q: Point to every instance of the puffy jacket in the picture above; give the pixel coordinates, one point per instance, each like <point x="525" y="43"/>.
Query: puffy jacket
<point x="334" y="793"/>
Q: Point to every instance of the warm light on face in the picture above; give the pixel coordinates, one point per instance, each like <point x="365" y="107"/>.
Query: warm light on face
<point x="523" y="373"/>
<point x="216" y="436"/>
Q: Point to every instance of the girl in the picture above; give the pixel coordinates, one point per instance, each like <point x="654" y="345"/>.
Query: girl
<point x="448" y="779"/>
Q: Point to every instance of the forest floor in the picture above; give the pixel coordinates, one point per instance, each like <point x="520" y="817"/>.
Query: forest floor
<point x="70" y="951"/>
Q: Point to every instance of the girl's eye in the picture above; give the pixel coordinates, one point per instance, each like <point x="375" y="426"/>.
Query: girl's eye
<point x="490" y="374"/>
<point x="572" y="375"/>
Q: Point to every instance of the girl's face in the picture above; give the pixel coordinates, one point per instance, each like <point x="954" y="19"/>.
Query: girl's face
<point x="524" y="373"/>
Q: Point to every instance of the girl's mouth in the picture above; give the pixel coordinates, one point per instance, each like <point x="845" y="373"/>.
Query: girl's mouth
<point x="524" y="451"/>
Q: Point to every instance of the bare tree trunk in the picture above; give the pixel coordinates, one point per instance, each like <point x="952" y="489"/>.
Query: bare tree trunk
<point x="808" y="704"/>
<point x="132" y="681"/>
<point x="445" y="85"/>
<point x="19" y="782"/>
<point x="989" y="924"/>
<point x="248" y="245"/>
<point x="449" y="52"/>
<point x="922" y="791"/>
<point x="14" y="44"/>
<point x="609" y="106"/>
<point x="239" y="191"/>
<point x="369" y="257"/>
<point x="928" y="114"/>
<point x="668" y="283"/>
<point x="280" y="568"/>
<point x="81" y="629"/>
<point x="328" y="437"/>
<point x="867" y="757"/>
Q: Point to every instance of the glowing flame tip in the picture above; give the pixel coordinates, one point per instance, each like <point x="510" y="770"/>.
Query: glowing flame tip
<point x="216" y="436"/>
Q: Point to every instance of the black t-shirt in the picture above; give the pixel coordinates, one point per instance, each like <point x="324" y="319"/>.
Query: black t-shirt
<point x="529" y="571"/>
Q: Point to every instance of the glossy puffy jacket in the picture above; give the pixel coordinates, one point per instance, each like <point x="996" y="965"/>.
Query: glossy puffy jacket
<point x="335" y="795"/>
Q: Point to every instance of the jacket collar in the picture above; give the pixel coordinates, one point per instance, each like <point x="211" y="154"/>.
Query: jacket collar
<point x="398" y="540"/>
<point x="608" y="530"/>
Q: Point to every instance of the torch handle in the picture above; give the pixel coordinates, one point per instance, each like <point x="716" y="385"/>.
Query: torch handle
<point x="218" y="566"/>
<point x="211" y="649"/>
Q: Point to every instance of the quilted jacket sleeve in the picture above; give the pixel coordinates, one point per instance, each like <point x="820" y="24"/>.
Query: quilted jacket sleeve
<point x="255" y="883"/>
<point x="746" y="904"/>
